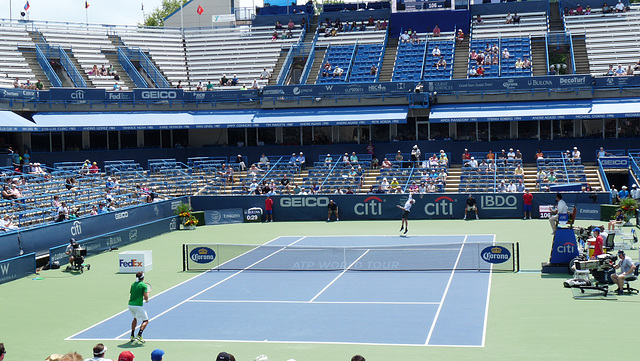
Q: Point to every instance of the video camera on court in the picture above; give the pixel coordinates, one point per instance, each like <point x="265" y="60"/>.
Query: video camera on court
<point x="77" y="251"/>
<point x="602" y="263"/>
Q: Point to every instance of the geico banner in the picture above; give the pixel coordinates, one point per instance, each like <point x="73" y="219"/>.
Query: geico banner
<point x="386" y="88"/>
<point x="614" y="162"/>
<point x="506" y="83"/>
<point x="383" y="206"/>
<point x="41" y="238"/>
<point x="158" y="94"/>
<point x="117" y="238"/>
<point x="17" y="267"/>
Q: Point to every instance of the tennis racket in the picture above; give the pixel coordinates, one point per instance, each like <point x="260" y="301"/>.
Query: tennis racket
<point x="149" y="288"/>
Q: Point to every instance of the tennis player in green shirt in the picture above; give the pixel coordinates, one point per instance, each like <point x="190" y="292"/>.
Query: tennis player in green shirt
<point x="139" y="293"/>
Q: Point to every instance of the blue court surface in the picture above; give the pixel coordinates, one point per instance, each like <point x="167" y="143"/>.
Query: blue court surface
<point x="426" y="308"/>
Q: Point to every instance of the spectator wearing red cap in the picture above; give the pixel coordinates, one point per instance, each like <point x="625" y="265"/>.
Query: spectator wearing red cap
<point x="126" y="356"/>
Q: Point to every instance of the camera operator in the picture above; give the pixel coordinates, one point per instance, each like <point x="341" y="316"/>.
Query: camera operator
<point x="626" y="268"/>
<point x="598" y="244"/>
<point x="69" y="250"/>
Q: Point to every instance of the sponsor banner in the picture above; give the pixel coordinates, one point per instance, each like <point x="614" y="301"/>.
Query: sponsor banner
<point x="383" y="206"/>
<point x="119" y="96"/>
<point x="77" y="95"/>
<point x="565" y="247"/>
<point x="495" y="254"/>
<point x="590" y="211"/>
<point x="614" y="162"/>
<point x="158" y="94"/>
<point x="224" y="216"/>
<point x="208" y="96"/>
<point x="23" y="94"/>
<point x="200" y="256"/>
<point x="616" y="82"/>
<point x="17" y="267"/>
<point x="385" y="88"/>
<point x="116" y="239"/>
<point x="545" y="211"/>
<point x="506" y="83"/>
<point x="41" y="239"/>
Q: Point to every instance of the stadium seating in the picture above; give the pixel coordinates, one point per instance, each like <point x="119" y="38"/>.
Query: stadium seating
<point x="369" y="36"/>
<point x="367" y="55"/>
<point x="12" y="62"/>
<point x="409" y="59"/>
<point x="531" y="24"/>
<point x="337" y="56"/>
<point x="610" y="38"/>
<point x="518" y="48"/>
<point x="243" y="51"/>
<point x="447" y="49"/>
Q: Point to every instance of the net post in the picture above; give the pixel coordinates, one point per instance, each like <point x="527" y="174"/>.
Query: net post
<point x="517" y="258"/>
<point x="184" y="259"/>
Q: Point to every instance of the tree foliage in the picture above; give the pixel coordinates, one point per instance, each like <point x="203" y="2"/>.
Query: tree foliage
<point x="156" y="17"/>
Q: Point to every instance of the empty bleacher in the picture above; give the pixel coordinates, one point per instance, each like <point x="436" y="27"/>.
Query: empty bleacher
<point x="409" y="59"/>
<point x="447" y="49"/>
<point x="531" y="24"/>
<point x="12" y="62"/>
<point x="610" y="38"/>
<point x="337" y="56"/>
<point x="367" y="55"/>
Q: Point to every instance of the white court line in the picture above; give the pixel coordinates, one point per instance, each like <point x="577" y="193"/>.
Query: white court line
<point x="289" y="342"/>
<point x="446" y="290"/>
<point x="320" y="302"/>
<point x="217" y="283"/>
<point x="168" y="289"/>
<point x="340" y="275"/>
<point x="486" y="310"/>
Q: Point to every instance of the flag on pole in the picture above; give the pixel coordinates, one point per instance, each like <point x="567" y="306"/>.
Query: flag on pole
<point x="27" y="6"/>
<point x="200" y="10"/>
<point x="86" y="4"/>
<point x="142" y="7"/>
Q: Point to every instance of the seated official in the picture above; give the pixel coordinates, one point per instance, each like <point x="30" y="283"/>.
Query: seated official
<point x="560" y="208"/>
<point x="626" y="267"/>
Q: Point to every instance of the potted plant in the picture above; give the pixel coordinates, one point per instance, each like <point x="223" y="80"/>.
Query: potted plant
<point x="191" y="222"/>
<point x="629" y="208"/>
<point x="183" y="210"/>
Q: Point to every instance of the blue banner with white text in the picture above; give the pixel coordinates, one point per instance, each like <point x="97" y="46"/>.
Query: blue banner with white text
<point x="508" y="83"/>
<point x="158" y="94"/>
<point x="348" y="89"/>
<point x="77" y="95"/>
<point x="17" y="267"/>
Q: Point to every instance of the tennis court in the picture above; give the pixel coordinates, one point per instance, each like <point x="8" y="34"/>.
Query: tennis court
<point x="424" y="290"/>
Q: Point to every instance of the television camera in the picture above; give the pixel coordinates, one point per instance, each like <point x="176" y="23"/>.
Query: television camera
<point x="78" y="253"/>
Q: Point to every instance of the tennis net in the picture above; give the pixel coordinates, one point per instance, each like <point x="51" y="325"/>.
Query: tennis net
<point x="476" y="256"/>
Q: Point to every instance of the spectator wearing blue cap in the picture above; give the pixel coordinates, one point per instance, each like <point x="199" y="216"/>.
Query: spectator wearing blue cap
<point x="598" y="243"/>
<point x="156" y="355"/>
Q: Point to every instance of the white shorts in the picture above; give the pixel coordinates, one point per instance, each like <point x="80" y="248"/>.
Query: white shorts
<point x="138" y="313"/>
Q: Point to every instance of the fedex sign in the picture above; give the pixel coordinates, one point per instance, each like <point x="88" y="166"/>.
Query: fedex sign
<point x="135" y="261"/>
<point x="130" y="263"/>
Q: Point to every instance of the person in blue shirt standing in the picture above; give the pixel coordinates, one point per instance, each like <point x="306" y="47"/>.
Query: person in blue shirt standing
<point x="624" y="193"/>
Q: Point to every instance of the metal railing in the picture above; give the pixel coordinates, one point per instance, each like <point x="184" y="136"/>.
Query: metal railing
<point x="286" y="66"/>
<point x="131" y="70"/>
<point x="136" y="54"/>
<point x="71" y="69"/>
<point x="573" y="59"/>
<point x="46" y="67"/>
<point x="310" y="60"/>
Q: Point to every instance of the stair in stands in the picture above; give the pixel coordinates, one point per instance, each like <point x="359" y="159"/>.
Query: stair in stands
<point x="580" y="54"/>
<point x="538" y="56"/>
<point x="113" y="59"/>
<point x="555" y="20"/>
<point x="75" y="63"/>
<point x="388" y="62"/>
<point x="276" y="69"/>
<point x="461" y="61"/>
<point x="30" y="58"/>
<point x="317" y="63"/>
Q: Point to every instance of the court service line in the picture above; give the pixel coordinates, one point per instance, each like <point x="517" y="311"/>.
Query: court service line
<point x="340" y="275"/>
<point x="152" y="297"/>
<point x="318" y="302"/>
<point x="217" y="283"/>
<point x="446" y="290"/>
<point x="486" y="309"/>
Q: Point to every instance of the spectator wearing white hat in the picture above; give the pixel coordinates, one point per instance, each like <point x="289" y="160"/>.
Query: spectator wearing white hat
<point x="415" y="155"/>
<point x="473" y="163"/>
<point x="99" y="351"/>
<point x="575" y="155"/>
<point x="635" y="192"/>
<point x="624" y="193"/>
<point x="511" y="155"/>
<point x="301" y="160"/>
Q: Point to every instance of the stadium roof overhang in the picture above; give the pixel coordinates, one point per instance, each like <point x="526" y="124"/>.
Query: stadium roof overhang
<point x="527" y="111"/>
<point x="12" y="122"/>
<point x="88" y="121"/>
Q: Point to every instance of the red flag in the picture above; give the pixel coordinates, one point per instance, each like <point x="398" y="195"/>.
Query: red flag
<point x="86" y="4"/>
<point x="200" y="10"/>
<point x="27" y="6"/>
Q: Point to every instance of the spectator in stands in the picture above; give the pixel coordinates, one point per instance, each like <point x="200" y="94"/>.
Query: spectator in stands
<point x="116" y="87"/>
<point x="491" y="156"/>
<point x="278" y="26"/>
<point x="7" y="194"/>
<point x="566" y="11"/>
<point x="264" y="161"/>
<point x="103" y="71"/>
<point x="502" y="187"/>
<point x="8" y="224"/>
<point x="483" y="167"/>
<point x="606" y="9"/>
<point x="255" y="85"/>
<point x="495" y="60"/>
<point x="291" y="25"/>
<point x="460" y="36"/>
<point x="472" y="72"/>
<point x="353" y="159"/>
<point x="436" y="31"/>
<point x="224" y="80"/>
<point x="229" y="174"/>
<point x="509" y="18"/>
<point x="441" y="63"/>
<point x="487" y="59"/>
<point x="466" y="155"/>
<point x="415" y="39"/>
<point x="473" y="55"/>
<point x="480" y="58"/>
<point x="443" y="159"/>
<point x="386" y="164"/>
<point x="94" y="168"/>
<point x="301" y="161"/>
<point x="505" y="53"/>
<point x="620" y="71"/>
<point x="629" y="70"/>
<point x="502" y="157"/>
<point x="511" y="155"/>
<point x="265" y="74"/>
<point x="511" y="188"/>
<point x="620" y="8"/>
<point x="478" y="20"/>
<point x="274" y="35"/>
<point x="480" y="71"/>
<point x="516" y="18"/>
<point x="435" y="52"/>
<point x="384" y="185"/>
<point x="551" y="178"/>
<point x="519" y="172"/>
<point x="337" y="72"/>
<point x="615" y="195"/>
<point x="234" y="80"/>
<point x="587" y="11"/>
<point x="473" y="163"/>
<point x="293" y="159"/>
<point x="241" y="164"/>
<point x="404" y="37"/>
<point x="374" y="70"/>
<point x="602" y="153"/>
<point x="519" y="64"/>
<point x="63" y="212"/>
<point x="303" y="23"/>
<point x="526" y="63"/>
<point x="624" y="193"/>
<point x="39" y="85"/>
<point x="116" y="77"/>
<point x="16" y="83"/>
<point x="610" y="71"/>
